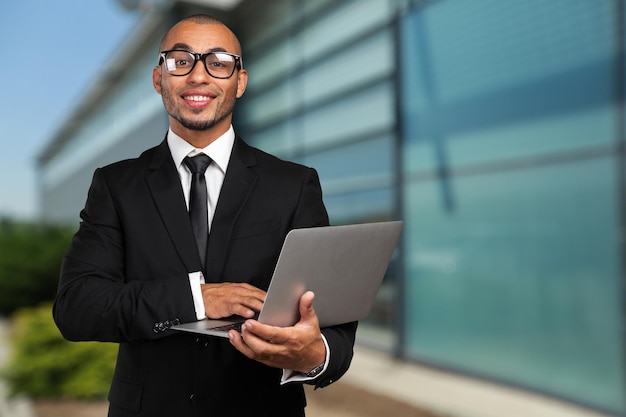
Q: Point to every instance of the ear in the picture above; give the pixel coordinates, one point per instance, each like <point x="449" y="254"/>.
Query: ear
<point x="242" y="82"/>
<point x="156" y="78"/>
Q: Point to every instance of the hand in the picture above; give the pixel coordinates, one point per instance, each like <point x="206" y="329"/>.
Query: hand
<point x="225" y="299"/>
<point x="298" y="348"/>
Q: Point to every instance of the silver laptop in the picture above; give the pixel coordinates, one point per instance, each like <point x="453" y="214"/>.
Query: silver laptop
<point x="343" y="265"/>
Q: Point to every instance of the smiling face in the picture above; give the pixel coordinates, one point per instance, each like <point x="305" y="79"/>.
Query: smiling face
<point x="200" y="107"/>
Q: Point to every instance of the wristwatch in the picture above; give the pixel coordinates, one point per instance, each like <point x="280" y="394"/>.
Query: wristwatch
<point x="315" y="371"/>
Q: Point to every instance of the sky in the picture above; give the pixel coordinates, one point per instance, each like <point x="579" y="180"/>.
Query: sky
<point x="52" y="51"/>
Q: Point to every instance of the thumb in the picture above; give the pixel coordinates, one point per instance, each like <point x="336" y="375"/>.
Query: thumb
<point x="307" y="312"/>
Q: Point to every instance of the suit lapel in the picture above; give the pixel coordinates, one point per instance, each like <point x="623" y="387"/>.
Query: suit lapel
<point x="164" y="185"/>
<point x="238" y="184"/>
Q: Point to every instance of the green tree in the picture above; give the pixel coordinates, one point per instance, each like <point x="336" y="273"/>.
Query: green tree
<point x="44" y="365"/>
<point x="30" y="261"/>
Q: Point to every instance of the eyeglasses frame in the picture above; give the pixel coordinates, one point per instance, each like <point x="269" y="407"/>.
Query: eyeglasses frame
<point x="202" y="57"/>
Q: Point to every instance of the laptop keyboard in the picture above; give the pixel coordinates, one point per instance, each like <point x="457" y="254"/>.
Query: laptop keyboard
<point x="231" y="326"/>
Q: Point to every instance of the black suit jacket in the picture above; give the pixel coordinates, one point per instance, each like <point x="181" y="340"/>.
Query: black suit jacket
<point x="125" y="279"/>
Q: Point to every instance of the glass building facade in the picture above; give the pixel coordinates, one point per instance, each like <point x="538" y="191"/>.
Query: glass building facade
<point x="513" y="183"/>
<point x="493" y="128"/>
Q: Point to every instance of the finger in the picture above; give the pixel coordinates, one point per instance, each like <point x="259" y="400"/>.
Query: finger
<point x="258" y="334"/>
<point x="246" y="311"/>
<point x="238" y="310"/>
<point x="250" y="297"/>
<point x="246" y="306"/>
<point x="307" y="312"/>
<point x="258" y="349"/>
<point x="237" y="341"/>
<point x="252" y="291"/>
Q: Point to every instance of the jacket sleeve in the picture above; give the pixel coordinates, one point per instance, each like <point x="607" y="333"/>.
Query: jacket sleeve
<point x="95" y="299"/>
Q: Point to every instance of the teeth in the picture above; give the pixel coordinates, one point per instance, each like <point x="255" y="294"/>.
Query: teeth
<point x="198" y="98"/>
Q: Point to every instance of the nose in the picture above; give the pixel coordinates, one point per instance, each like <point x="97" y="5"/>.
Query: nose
<point x="198" y="74"/>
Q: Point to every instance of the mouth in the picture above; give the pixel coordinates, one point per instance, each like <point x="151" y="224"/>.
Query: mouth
<point x="197" y="100"/>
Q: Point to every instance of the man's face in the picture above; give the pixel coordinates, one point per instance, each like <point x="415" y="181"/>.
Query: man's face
<point x="197" y="101"/>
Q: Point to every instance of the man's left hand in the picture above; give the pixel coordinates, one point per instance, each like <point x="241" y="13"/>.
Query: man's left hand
<point x="298" y="348"/>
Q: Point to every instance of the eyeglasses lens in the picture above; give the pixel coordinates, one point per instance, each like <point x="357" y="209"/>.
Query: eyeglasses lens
<point x="219" y="65"/>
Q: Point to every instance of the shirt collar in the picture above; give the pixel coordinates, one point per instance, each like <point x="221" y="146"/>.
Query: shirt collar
<point x="219" y="150"/>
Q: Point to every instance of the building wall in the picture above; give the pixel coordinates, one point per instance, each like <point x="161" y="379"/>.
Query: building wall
<point x="63" y="200"/>
<point x="124" y="118"/>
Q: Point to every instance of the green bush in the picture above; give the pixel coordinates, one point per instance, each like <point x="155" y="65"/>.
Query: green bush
<point x="44" y="365"/>
<point x="30" y="261"/>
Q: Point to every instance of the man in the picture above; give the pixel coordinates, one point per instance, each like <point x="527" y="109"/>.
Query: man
<point x="134" y="268"/>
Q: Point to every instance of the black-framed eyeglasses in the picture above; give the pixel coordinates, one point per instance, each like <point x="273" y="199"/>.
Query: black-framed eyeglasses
<point x="217" y="64"/>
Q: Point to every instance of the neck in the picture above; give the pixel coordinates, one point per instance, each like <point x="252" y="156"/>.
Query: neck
<point x="200" y="138"/>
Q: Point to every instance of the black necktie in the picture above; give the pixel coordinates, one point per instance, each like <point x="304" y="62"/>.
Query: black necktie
<point x="198" y="204"/>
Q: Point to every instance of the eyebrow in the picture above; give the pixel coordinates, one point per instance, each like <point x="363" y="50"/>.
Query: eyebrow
<point x="181" y="45"/>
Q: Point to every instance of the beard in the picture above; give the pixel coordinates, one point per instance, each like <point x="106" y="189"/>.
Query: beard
<point x="223" y="110"/>
<point x="196" y="124"/>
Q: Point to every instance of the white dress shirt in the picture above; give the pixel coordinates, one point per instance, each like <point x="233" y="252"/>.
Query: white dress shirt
<point x="219" y="151"/>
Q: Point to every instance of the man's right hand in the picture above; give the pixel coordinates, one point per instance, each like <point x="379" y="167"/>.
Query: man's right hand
<point x="228" y="298"/>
